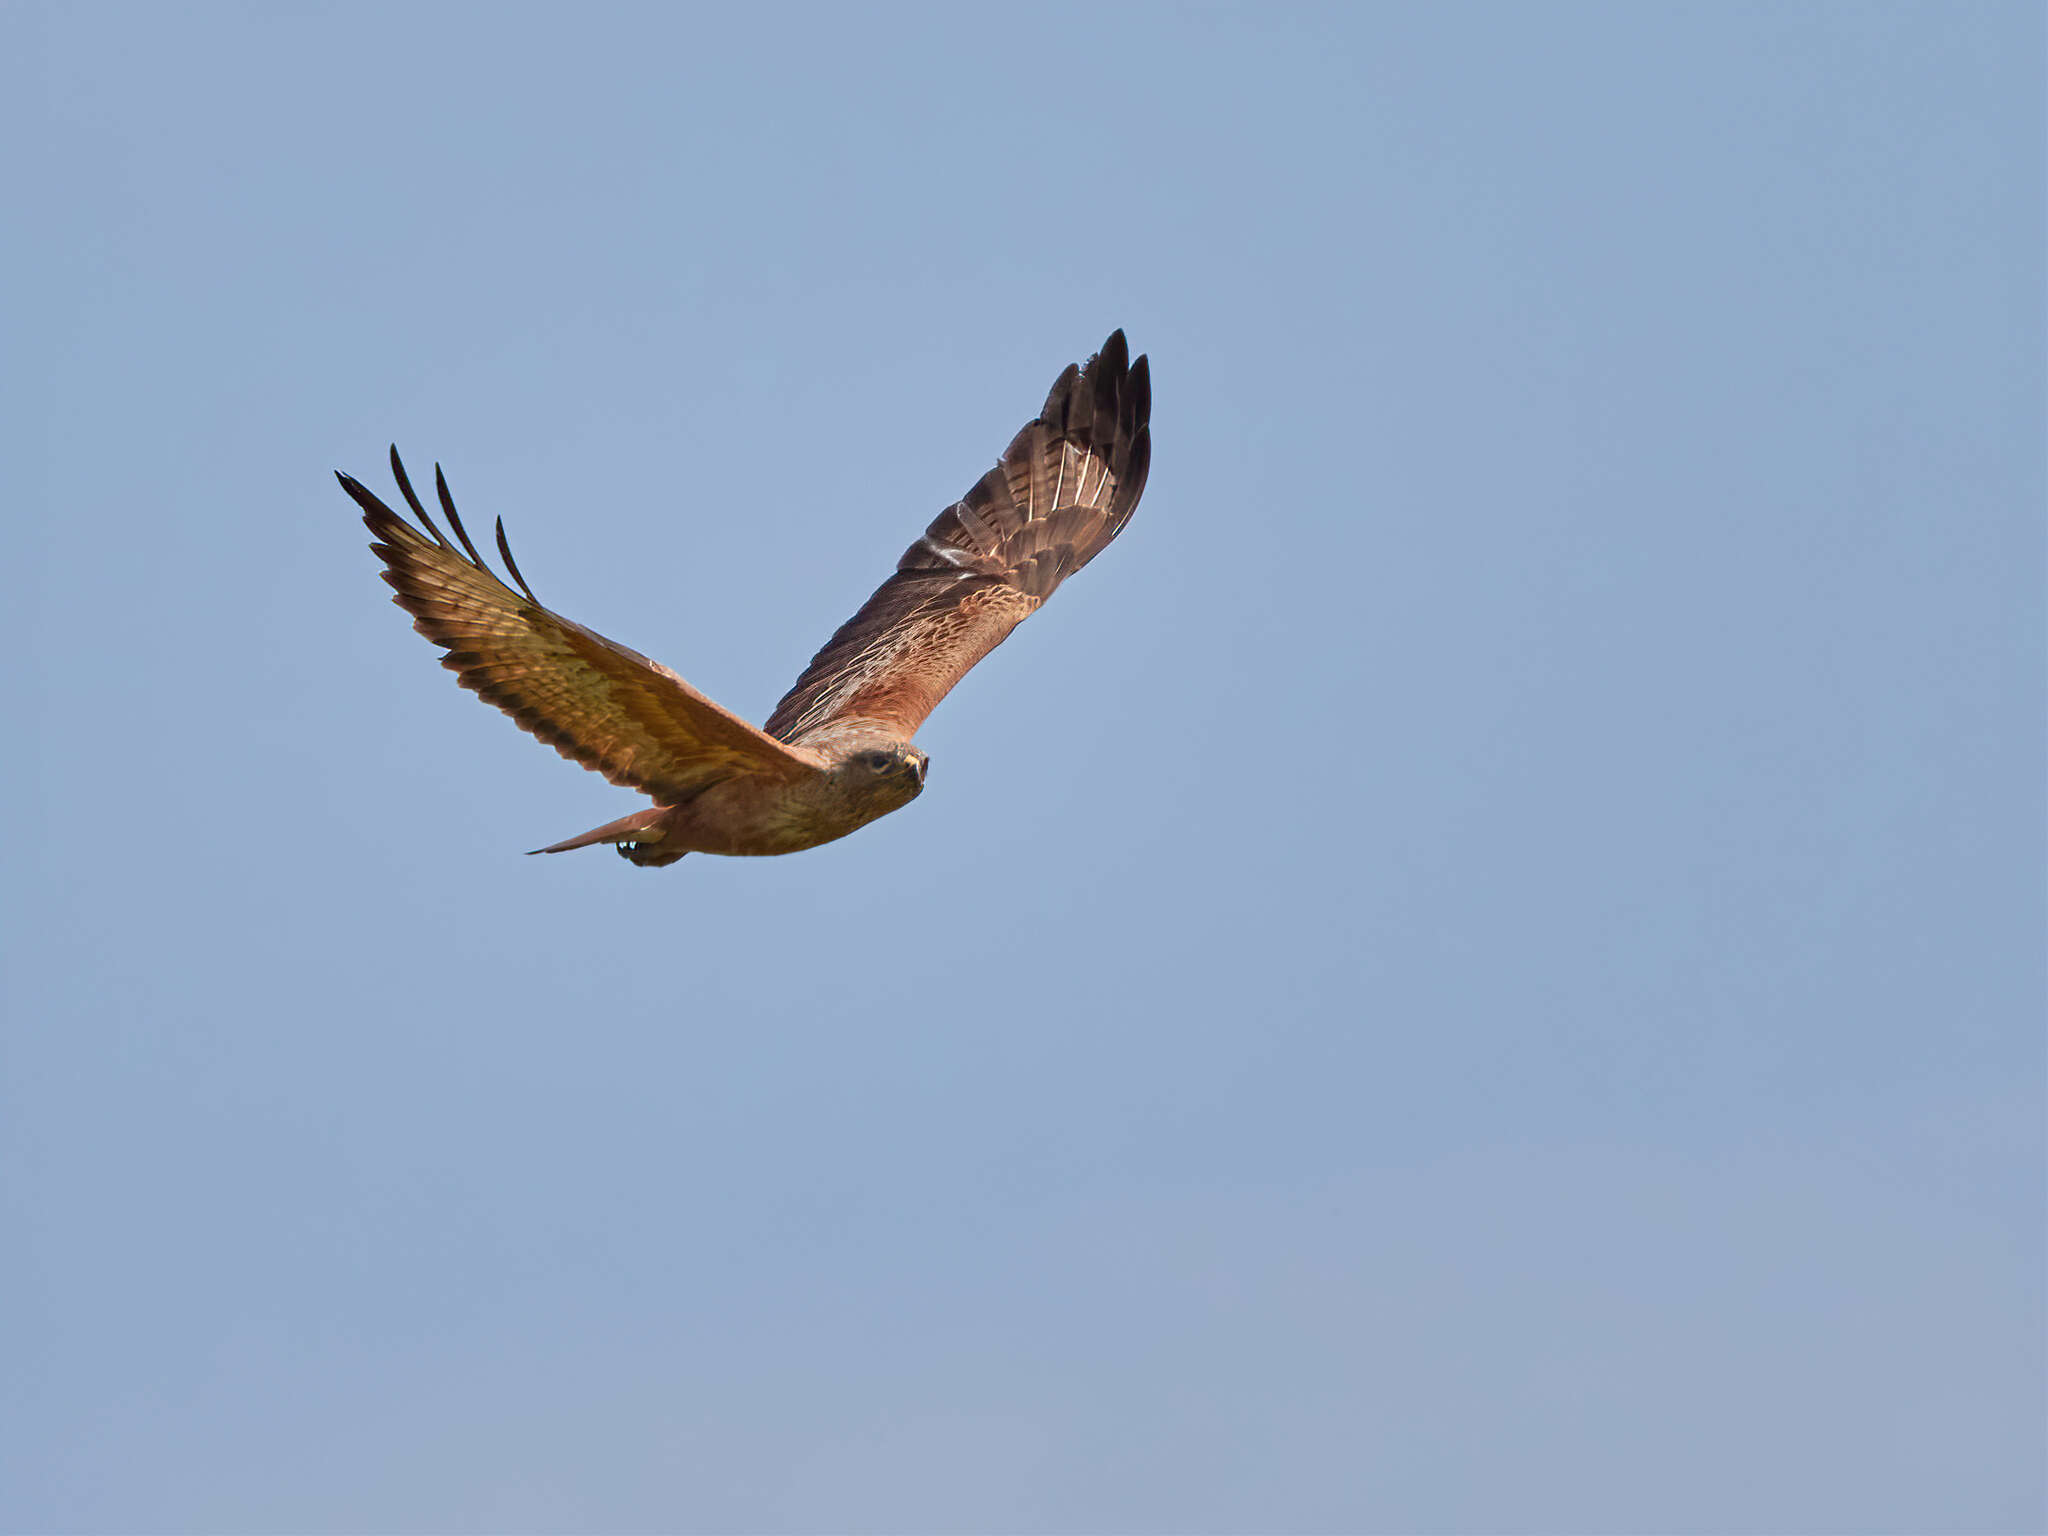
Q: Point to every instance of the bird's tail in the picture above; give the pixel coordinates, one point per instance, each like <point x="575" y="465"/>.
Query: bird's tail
<point x="638" y="837"/>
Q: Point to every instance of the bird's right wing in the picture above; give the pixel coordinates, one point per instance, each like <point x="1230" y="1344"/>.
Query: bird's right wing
<point x="595" y="702"/>
<point x="1065" y="487"/>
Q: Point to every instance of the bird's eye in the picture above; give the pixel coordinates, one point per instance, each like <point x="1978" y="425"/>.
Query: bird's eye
<point x="878" y="761"/>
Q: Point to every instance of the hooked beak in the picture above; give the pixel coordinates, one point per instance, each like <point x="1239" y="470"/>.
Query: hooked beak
<point x="917" y="771"/>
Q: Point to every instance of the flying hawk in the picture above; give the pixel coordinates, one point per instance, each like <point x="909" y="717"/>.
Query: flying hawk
<point x="837" y="752"/>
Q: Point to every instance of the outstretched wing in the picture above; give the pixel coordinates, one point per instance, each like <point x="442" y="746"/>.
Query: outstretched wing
<point x="1065" y="487"/>
<point x="597" y="703"/>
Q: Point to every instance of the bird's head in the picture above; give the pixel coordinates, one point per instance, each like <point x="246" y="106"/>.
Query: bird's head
<point x="883" y="774"/>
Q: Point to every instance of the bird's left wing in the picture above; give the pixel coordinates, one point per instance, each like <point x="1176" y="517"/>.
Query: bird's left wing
<point x="594" y="701"/>
<point x="1065" y="487"/>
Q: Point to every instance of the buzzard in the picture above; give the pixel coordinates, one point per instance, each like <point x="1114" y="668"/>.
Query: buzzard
<point x="837" y="752"/>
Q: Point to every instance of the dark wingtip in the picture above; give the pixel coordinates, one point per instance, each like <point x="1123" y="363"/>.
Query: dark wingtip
<point x="505" y="549"/>
<point x="366" y="501"/>
<point x="1054" y="412"/>
<point x="455" y="519"/>
<point x="412" y="499"/>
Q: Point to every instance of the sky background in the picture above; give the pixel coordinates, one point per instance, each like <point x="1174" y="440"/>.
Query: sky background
<point x="1481" y="970"/>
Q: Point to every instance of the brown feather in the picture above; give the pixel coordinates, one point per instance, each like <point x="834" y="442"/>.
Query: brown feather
<point x="1062" y="491"/>
<point x="592" y="700"/>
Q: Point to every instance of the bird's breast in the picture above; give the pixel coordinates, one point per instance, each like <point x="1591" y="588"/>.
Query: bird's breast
<point x="749" y="817"/>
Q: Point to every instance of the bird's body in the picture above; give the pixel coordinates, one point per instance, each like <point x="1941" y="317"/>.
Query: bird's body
<point x="836" y="753"/>
<point x="743" y="817"/>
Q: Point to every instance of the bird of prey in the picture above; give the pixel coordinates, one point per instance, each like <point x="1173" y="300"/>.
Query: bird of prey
<point x="837" y="751"/>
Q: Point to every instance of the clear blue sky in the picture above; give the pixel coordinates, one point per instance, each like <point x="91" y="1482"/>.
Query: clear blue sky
<point x="1482" y="970"/>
